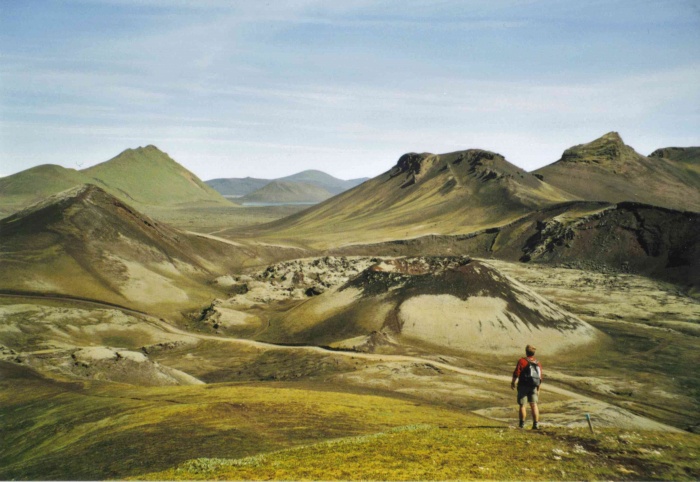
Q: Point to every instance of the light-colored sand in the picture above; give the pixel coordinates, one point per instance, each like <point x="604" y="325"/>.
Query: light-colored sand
<point x="25" y="327"/>
<point x="134" y="356"/>
<point x="94" y="353"/>
<point x="148" y="287"/>
<point x="572" y="413"/>
<point x="229" y="318"/>
<point x="481" y="323"/>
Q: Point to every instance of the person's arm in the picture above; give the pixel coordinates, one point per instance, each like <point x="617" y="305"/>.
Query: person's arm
<point x="516" y="373"/>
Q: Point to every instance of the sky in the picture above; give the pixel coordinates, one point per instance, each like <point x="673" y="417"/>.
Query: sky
<point x="270" y="88"/>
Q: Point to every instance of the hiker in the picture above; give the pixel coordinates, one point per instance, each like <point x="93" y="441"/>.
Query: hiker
<point x="528" y="373"/>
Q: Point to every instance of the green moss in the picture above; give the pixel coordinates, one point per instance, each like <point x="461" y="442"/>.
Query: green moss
<point x="56" y="430"/>
<point x="437" y="453"/>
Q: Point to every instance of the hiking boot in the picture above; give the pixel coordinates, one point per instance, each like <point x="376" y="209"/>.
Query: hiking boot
<point x="521" y="424"/>
<point x="536" y="426"/>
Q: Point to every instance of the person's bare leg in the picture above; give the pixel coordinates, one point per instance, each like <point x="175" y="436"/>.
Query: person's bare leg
<point x="523" y="413"/>
<point x="535" y="412"/>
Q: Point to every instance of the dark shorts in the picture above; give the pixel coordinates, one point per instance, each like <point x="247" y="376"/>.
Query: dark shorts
<point x="527" y="395"/>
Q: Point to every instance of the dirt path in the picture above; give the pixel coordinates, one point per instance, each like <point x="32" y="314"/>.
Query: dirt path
<point x="216" y="238"/>
<point x="241" y="245"/>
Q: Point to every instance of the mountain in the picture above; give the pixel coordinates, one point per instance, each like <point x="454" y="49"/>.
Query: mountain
<point x="688" y="157"/>
<point x="451" y="302"/>
<point x="323" y="180"/>
<point x="145" y="177"/>
<point x="682" y="154"/>
<point x="88" y="244"/>
<point x="287" y="192"/>
<point x="602" y="237"/>
<point x="458" y="192"/>
<point x="31" y="186"/>
<point x="148" y="176"/>
<point x="607" y="169"/>
<point x="238" y="187"/>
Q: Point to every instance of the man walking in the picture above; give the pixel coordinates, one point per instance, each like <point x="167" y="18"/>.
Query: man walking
<point x="528" y="373"/>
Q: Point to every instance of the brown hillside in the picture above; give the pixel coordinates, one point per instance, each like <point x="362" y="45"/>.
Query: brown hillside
<point x="86" y="243"/>
<point x="607" y="169"/>
<point x="627" y="237"/>
<point x="458" y="192"/>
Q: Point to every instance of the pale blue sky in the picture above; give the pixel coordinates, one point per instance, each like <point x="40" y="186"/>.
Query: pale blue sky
<point x="269" y="88"/>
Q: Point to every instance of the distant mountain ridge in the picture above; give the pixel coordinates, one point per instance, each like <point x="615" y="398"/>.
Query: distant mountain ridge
<point x="287" y="192"/>
<point x="239" y="187"/>
<point x="145" y="176"/>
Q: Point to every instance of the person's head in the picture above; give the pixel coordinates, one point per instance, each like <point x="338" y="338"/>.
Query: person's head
<point x="530" y="350"/>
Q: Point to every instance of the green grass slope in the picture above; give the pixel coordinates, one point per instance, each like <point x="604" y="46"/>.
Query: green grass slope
<point x="144" y="177"/>
<point x="58" y="430"/>
<point x="148" y="176"/>
<point x="687" y="157"/>
<point x="31" y="186"/>
<point x="452" y="193"/>
<point x="287" y="192"/>
<point x="465" y="453"/>
<point x="607" y="169"/>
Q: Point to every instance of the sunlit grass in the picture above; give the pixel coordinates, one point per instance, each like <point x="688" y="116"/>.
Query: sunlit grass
<point x="440" y="453"/>
<point x="96" y="431"/>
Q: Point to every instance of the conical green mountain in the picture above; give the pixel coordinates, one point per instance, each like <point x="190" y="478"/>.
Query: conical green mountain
<point x="454" y="193"/>
<point x="148" y="176"/>
<point x="144" y="177"/>
<point x="607" y="169"/>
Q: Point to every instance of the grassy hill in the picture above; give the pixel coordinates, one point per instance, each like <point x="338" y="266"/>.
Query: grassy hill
<point x="427" y="452"/>
<point x="688" y="157"/>
<point x="144" y="177"/>
<point x="607" y="169"/>
<point x="287" y="192"/>
<point x="452" y="193"/>
<point x="35" y="184"/>
<point x="90" y="430"/>
<point x="148" y="176"/>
